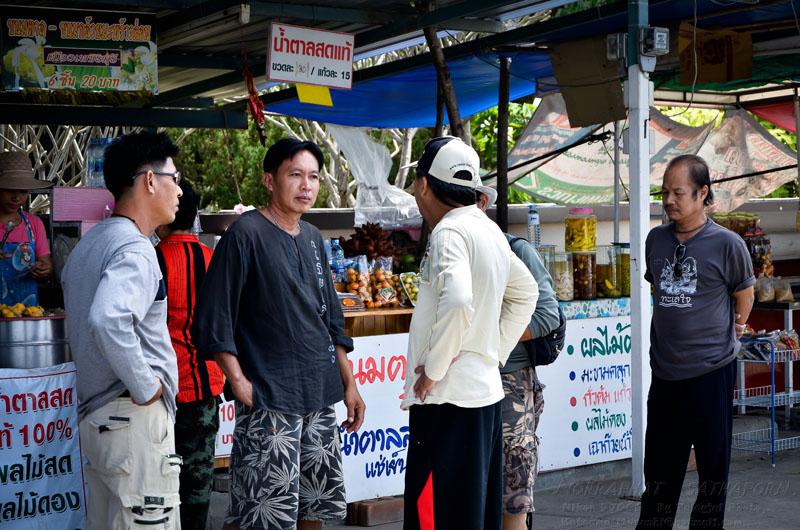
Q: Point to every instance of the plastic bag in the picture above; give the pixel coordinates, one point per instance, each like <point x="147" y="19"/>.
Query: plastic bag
<point x="765" y="290"/>
<point x="357" y="270"/>
<point x="383" y="293"/>
<point x="783" y="290"/>
<point x="410" y="285"/>
<point x="370" y="162"/>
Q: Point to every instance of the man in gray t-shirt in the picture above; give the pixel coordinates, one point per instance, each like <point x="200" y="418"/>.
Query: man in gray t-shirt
<point x="127" y="373"/>
<point x="702" y="280"/>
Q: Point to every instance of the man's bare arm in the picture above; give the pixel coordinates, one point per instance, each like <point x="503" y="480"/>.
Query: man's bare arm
<point x="742" y="303"/>
<point x="241" y="386"/>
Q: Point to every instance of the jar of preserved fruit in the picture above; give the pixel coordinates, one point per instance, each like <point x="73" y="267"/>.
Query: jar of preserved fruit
<point x="548" y="255"/>
<point x="608" y="273"/>
<point x="584" y="271"/>
<point x="580" y="230"/>
<point x="625" y="268"/>
<point x="760" y="248"/>
<point x="562" y="277"/>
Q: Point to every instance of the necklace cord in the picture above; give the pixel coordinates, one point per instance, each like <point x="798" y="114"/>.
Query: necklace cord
<point x="693" y="229"/>
<point x="269" y="211"/>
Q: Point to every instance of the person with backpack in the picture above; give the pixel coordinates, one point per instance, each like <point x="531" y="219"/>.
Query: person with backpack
<point x="524" y="398"/>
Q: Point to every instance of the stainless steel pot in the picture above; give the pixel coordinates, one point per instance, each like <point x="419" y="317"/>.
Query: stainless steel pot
<point x="33" y="342"/>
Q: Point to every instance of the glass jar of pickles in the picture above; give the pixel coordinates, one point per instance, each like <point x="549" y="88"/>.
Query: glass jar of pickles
<point x="608" y="273"/>
<point x="548" y="255"/>
<point x="760" y="248"/>
<point x="584" y="275"/>
<point x="562" y="276"/>
<point x="580" y="230"/>
<point x="625" y="268"/>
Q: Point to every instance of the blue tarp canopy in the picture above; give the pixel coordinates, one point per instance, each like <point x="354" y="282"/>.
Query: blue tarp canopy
<point x="408" y="99"/>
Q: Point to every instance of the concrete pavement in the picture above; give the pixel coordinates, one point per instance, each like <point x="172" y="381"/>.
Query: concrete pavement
<point x="760" y="497"/>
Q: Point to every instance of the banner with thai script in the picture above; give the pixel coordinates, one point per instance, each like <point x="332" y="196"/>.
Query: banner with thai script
<point x="585" y="173"/>
<point x="227" y="421"/>
<point x="374" y="458"/>
<point x="75" y="49"/>
<point x="41" y="473"/>
<point x="587" y="412"/>
<point x="738" y="146"/>
<point x="310" y="56"/>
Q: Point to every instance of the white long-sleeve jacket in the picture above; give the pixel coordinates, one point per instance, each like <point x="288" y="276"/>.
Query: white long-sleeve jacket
<point x="474" y="304"/>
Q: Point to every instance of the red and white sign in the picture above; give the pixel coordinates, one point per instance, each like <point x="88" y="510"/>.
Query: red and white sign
<point x="310" y="56"/>
<point x="41" y="466"/>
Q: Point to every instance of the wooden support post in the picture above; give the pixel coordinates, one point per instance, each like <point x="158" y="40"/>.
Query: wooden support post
<point x="445" y="83"/>
<point x="502" y="144"/>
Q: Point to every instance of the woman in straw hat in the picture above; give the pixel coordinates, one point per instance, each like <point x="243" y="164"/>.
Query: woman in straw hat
<point x="24" y="253"/>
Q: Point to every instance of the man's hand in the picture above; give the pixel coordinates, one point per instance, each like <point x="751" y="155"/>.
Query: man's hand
<point x="423" y="384"/>
<point x="243" y="390"/>
<point x="152" y="399"/>
<point x="355" y="409"/>
<point x="739" y="327"/>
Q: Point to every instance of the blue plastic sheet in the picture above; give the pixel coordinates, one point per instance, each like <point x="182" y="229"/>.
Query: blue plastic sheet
<point x="408" y="99"/>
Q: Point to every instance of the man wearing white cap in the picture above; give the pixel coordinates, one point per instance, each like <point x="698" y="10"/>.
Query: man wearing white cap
<point x="476" y="298"/>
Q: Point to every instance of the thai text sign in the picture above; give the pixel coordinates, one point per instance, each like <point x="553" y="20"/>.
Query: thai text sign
<point x="587" y="413"/>
<point x="41" y="476"/>
<point x="227" y="421"/>
<point x="374" y="458"/>
<point x="68" y="49"/>
<point x="310" y="56"/>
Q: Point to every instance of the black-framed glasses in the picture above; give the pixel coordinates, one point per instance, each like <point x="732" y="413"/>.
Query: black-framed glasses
<point x="175" y="176"/>
<point x="677" y="267"/>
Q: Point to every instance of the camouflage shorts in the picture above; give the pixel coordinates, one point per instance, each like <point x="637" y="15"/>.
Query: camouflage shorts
<point x="522" y="407"/>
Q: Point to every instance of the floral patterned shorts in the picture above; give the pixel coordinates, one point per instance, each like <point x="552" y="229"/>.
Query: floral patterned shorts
<point x="285" y="468"/>
<point x="522" y="406"/>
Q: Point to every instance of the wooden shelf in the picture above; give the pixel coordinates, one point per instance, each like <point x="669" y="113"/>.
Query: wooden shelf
<point x="377" y="321"/>
<point x="379" y="312"/>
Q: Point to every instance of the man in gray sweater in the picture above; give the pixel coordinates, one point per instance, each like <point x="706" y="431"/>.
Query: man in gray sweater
<point x="524" y="401"/>
<point x="127" y="373"/>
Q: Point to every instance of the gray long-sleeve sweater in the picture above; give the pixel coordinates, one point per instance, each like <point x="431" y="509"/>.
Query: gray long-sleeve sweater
<point x="117" y="318"/>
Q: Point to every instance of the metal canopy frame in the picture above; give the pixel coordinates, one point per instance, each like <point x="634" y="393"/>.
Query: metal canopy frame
<point x="200" y="50"/>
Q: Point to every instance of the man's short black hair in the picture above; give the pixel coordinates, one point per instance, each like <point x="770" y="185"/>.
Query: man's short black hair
<point x="451" y="194"/>
<point x="698" y="170"/>
<point x="187" y="208"/>
<point x="286" y="149"/>
<point x="132" y="153"/>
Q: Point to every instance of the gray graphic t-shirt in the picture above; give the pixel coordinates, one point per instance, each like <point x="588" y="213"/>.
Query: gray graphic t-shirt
<point x="692" y="332"/>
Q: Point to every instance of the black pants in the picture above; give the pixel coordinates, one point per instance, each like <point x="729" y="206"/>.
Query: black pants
<point x="699" y="412"/>
<point x="454" y="477"/>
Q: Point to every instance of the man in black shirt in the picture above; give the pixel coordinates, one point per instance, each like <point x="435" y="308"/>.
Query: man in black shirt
<point x="268" y="313"/>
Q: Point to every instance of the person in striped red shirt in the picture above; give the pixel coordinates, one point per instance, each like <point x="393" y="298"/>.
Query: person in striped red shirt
<point x="184" y="261"/>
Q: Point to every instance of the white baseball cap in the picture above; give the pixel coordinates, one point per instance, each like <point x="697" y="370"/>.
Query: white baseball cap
<point x="490" y="193"/>
<point x="450" y="160"/>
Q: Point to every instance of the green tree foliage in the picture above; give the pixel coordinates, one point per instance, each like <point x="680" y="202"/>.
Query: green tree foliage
<point x="203" y="159"/>
<point x="484" y="139"/>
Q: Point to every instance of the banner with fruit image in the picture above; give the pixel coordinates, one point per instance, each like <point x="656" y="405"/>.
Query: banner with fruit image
<point x="71" y="49"/>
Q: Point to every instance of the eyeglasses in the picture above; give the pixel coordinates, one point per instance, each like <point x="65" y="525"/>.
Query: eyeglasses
<point x="680" y="254"/>
<point x="175" y="176"/>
